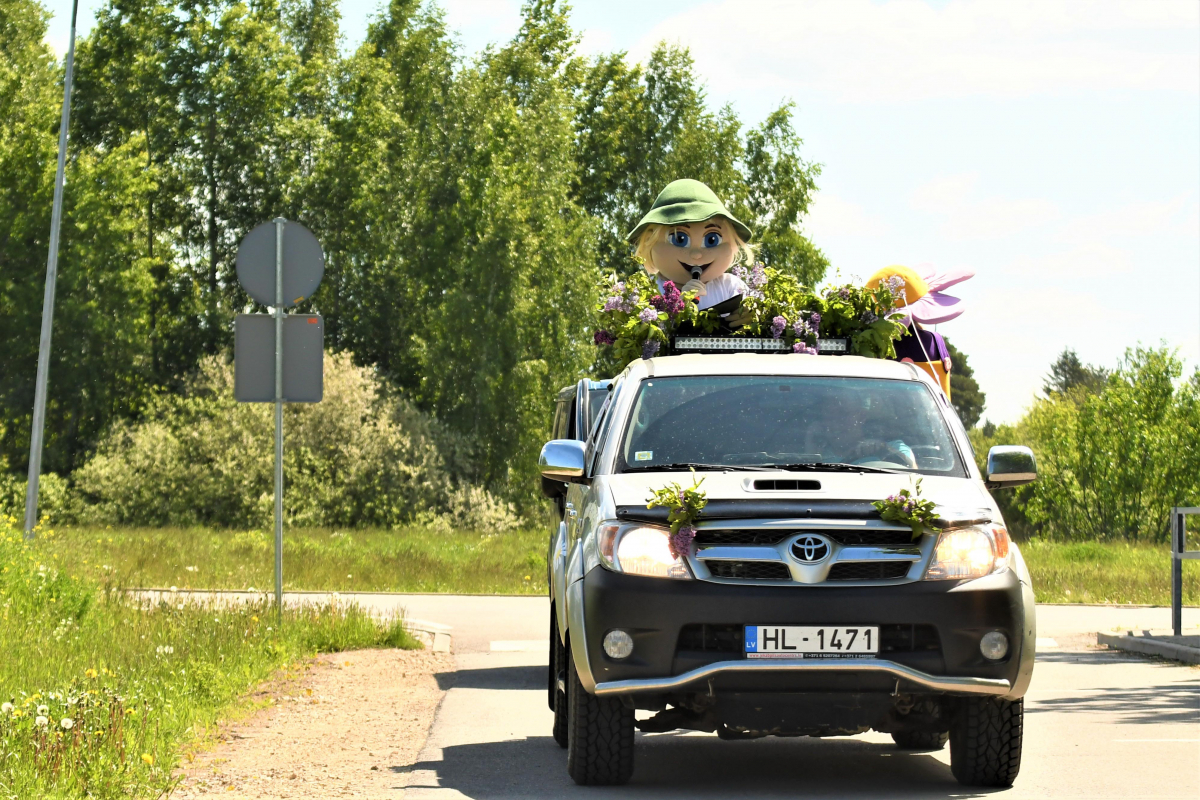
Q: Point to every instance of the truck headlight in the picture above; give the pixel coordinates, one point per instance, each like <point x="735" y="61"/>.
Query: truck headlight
<point x="640" y="550"/>
<point x="972" y="552"/>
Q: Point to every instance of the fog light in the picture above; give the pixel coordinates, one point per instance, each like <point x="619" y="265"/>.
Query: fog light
<point x="618" y="644"/>
<point x="994" y="645"/>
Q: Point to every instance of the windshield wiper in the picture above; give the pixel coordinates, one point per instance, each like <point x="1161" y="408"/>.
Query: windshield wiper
<point x="834" y="466"/>
<point x="682" y="465"/>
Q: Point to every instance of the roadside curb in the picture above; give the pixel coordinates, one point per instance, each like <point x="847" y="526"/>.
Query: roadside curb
<point x="1176" y="648"/>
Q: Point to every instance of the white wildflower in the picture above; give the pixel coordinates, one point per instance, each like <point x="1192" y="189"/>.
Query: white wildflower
<point x="43" y="710"/>
<point x="67" y="723"/>
<point x="41" y="721"/>
<point x="7" y="708"/>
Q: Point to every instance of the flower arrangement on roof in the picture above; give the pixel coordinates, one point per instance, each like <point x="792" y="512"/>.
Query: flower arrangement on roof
<point x="638" y="320"/>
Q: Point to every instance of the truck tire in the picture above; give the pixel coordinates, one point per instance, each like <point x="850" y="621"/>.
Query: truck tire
<point x="558" y="675"/>
<point x="985" y="741"/>
<point x="600" y="736"/>
<point x="920" y="740"/>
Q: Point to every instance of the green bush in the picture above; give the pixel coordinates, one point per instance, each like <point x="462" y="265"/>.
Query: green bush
<point x="362" y="456"/>
<point x="1111" y="461"/>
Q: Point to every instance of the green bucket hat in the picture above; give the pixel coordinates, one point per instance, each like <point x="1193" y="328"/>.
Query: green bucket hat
<point x="685" y="201"/>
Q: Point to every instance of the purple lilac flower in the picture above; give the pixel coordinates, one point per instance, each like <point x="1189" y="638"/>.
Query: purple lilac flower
<point x="649" y="349"/>
<point x="868" y="317"/>
<point x="777" y="326"/>
<point x="603" y="337"/>
<point x="648" y="315"/>
<point x="800" y="327"/>
<point x="844" y="293"/>
<point x="612" y="304"/>
<point x="803" y="349"/>
<point x="814" y="322"/>
<point x="680" y="543"/>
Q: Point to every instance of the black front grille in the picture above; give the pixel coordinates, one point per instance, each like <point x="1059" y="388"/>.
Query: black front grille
<point x="711" y="638"/>
<point x="908" y="639"/>
<point x="706" y="537"/>
<point x="869" y="571"/>
<point x="749" y="570"/>
<point x="870" y="538"/>
<point x="852" y="538"/>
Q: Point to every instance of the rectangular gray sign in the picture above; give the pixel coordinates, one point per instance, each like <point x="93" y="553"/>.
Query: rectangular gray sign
<point x="254" y="358"/>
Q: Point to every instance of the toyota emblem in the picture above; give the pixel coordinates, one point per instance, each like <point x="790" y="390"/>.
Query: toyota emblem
<point x="810" y="549"/>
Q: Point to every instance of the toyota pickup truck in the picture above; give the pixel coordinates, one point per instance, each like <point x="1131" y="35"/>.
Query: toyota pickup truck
<point x="796" y="610"/>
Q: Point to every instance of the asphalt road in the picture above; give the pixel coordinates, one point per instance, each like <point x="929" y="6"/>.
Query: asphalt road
<point x="1098" y="724"/>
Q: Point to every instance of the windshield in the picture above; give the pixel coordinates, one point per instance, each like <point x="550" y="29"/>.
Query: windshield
<point x="793" y="422"/>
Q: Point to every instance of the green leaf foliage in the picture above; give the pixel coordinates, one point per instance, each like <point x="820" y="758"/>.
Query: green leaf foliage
<point x="468" y="206"/>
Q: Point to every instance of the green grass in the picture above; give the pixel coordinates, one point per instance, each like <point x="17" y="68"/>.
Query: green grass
<point x="1094" y="572"/>
<point x="428" y="560"/>
<point x="403" y="560"/>
<point x="100" y="694"/>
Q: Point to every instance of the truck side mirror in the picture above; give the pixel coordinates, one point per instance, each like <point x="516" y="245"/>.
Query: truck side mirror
<point x="1009" y="466"/>
<point x="562" y="460"/>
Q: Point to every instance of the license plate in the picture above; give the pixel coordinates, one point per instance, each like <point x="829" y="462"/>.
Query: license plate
<point x="792" y="641"/>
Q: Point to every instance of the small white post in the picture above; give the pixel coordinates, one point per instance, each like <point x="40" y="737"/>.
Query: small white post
<point x="279" y="223"/>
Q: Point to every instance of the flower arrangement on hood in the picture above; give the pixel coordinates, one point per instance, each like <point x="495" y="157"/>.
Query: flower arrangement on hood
<point x="685" y="506"/>
<point x="910" y="509"/>
<point x="636" y="319"/>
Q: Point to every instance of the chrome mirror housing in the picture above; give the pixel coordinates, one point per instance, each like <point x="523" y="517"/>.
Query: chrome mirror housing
<point x="562" y="460"/>
<point x="1010" y="465"/>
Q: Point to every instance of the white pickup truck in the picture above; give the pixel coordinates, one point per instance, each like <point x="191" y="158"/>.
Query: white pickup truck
<point x="797" y="610"/>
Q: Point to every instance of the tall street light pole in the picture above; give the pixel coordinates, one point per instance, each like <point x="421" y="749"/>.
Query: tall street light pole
<point x="43" y="367"/>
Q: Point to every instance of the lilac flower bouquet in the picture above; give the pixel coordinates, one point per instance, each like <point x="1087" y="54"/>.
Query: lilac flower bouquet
<point x="685" y="506"/>
<point x="908" y="508"/>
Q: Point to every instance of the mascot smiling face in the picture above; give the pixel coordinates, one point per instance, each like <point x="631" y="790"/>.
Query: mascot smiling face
<point x="690" y="238"/>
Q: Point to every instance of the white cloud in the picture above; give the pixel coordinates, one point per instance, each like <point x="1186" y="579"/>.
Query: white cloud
<point x="965" y="217"/>
<point x="858" y="50"/>
<point x="829" y="215"/>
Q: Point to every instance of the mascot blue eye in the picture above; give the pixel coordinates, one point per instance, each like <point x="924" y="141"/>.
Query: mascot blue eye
<point x="712" y="239"/>
<point x="679" y="238"/>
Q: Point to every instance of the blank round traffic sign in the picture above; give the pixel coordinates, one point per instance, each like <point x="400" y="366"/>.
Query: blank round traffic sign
<point x="303" y="263"/>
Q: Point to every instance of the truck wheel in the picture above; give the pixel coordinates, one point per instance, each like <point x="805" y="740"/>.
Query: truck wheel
<point x="985" y="741"/>
<point x="600" y="739"/>
<point x="558" y="682"/>
<point x="920" y="740"/>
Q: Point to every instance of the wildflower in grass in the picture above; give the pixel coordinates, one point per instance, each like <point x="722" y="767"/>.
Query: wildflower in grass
<point x="40" y="721"/>
<point x="43" y="710"/>
<point x="67" y="723"/>
<point x="7" y="708"/>
<point x="149" y="759"/>
<point x="91" y="673"/>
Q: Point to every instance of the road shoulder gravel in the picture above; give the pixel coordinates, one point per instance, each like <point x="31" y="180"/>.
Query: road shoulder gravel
<point x="348" y="725"/>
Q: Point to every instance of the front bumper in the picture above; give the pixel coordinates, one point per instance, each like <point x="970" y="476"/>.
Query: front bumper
<point x="655" y="612"/>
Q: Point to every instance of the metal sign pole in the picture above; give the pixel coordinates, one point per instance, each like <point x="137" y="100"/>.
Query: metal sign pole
<point x="43" y="366"/>
<point x="1178" y="535"/>
<point x="279" y="224"/>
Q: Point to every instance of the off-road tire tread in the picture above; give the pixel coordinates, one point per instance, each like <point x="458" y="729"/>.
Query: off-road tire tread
<point x="921" y="740"/>
<point x="557" y="664"/>
<point x="600" y="746"/>
<point x="985" y="741"/>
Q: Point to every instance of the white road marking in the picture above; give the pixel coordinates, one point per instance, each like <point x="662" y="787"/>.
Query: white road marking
<point x="1047" y="642"/>
<point x="1156" y="740"/>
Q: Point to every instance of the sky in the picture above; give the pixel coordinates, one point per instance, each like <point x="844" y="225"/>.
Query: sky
<point x="1051" y="147"/>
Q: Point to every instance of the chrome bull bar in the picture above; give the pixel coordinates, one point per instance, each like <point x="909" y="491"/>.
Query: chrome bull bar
<point x="936" y="683"/>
